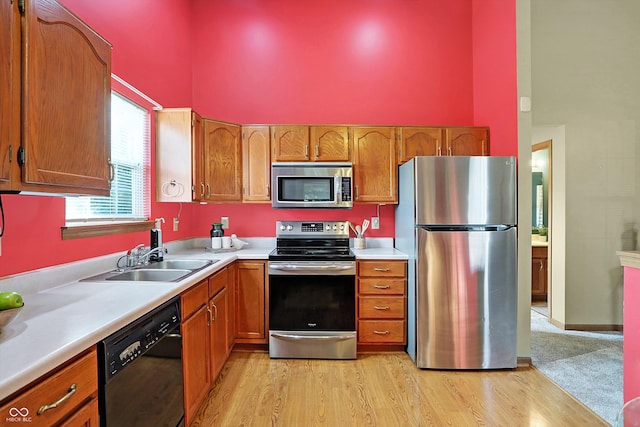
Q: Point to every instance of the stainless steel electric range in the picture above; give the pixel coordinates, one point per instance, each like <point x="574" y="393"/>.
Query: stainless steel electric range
<point x="312" y="291"/>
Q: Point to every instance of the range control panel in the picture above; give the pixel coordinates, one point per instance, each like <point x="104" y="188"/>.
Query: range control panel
<point x="328" y="229"/>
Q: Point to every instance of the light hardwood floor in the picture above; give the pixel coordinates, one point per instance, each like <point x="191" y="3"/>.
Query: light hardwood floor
<point x="383" y="390"/>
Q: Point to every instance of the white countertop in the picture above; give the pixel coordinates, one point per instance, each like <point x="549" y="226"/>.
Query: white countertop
<point x="63" y="316"/>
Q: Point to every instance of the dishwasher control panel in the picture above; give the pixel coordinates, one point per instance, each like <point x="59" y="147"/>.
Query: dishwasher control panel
<point x="134" y="340"/>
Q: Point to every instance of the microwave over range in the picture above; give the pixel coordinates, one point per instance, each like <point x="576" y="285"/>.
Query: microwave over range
<point x="319" y="185"/>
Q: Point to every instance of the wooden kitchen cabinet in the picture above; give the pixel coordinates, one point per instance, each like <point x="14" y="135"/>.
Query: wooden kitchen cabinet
<point x="218" y="285"/>
<point x="251" y="303"/>
<point x="10" y="90"/>
<point x="375" y="166"/>
<point x="467" y="141"/>
<point x="197" y="159"/>
<point x="539" y="273"/>
<point x="222" y="160"/>
<point x="179" y="143"/>
<point x="77" y="380"/>
<point x="256" y="164"/>
<point x="329" y="143"/>
<point x="56" y="98"/>
<point x="419" y="141"/>
<point x="196" y="321"/>
<point x="382" y="304"/>
<point x="290" y="143"/>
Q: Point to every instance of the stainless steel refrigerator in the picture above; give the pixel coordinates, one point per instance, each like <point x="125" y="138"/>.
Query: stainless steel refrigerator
<point x="456" y="218"/>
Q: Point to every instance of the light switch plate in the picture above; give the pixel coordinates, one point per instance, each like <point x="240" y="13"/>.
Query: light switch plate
<point x="375" y="222"/>
<point x="225" y="222"/>
<point x="176" y="221"/>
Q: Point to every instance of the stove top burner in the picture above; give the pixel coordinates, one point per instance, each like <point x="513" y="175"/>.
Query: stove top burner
<point x="312" y="241"/>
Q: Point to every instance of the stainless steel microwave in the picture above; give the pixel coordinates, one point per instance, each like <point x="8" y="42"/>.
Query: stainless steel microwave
<point x="312" y="185"/>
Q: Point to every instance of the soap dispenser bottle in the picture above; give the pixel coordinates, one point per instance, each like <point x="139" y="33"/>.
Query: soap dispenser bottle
<point x="156" y="241"/>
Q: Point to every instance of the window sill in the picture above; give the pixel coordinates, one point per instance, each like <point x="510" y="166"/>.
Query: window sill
<point x="80" y="231"/>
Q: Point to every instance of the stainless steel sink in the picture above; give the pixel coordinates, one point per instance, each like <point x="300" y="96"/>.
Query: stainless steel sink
<point x="170" y="270"/>
<point x="180" y="264"/>
<point x="150" y="275"/>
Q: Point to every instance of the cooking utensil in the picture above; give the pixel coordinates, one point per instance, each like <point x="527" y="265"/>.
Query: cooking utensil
<point x="358" y="231"/>
<point x="352" y="228"/>
<point x="365" y="225"/>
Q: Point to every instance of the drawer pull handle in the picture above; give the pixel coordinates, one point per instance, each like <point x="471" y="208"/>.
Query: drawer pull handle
<point x="381" y="286"/>
<point x="381" y="332"/>
<point x="70" y="392"/>
<point x="381" y="307"/>
<point x="381" y="269"/>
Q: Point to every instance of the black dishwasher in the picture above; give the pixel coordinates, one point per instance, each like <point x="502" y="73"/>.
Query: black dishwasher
<point x="140" y="370"/>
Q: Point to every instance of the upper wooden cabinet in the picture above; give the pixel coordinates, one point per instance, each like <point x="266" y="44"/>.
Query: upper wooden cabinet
<point x="256" y="161"/>
<point x="297" y="143"/>
<point x="419" y="141"/>
<point x="329" y="143"/>
<point x="179" y="158"/>
<point x="375" y="166"/>
<point x="467" y="141"/>
<point x="197" y="159"/>
<point x="222" y="162"/>
<point x="62" y="144"/>
<point x="10" y="90"/>
<point x="290" y="143"/>
<point x="438" y="141"/>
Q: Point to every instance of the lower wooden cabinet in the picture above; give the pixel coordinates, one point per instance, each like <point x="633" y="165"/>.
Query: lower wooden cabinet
<point x="251" y="303"/>
<point x="74" y="387"/>
<point x="205" y="337"/>
<point x="539" y="273"/>
<point x="382" y="303"/>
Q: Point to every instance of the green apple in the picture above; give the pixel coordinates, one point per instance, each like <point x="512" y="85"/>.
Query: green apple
<point x="10" y="300"/>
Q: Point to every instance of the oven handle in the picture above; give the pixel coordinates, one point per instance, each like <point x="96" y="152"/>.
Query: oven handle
<point x="314" y="337"/>
<point x="297" y="267"/>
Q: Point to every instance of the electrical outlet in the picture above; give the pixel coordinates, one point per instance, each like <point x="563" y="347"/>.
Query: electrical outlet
<point x="176" y="221"/>
<point x="375" y="222"/>
<point x="225" y="222"/>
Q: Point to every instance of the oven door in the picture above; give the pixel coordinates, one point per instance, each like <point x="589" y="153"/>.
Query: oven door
<point x="312" y="310"/>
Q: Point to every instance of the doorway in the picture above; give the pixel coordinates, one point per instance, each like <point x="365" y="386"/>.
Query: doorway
<point x="541" y="227"/>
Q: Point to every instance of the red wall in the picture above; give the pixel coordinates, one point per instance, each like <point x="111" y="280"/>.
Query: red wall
<point x="631" y="348"/>
<point x="286" y="61"/>
<point x="495" y="85"/>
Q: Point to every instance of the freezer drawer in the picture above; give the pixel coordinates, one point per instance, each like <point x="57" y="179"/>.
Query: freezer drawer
<point x="465" y="297"/>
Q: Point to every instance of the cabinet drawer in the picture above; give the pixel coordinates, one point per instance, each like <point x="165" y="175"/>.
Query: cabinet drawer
<point x="81" y="376"/>
<point x="381" y="331"/>
<point x="382" y="268"/>
<point x="381" y="307"/>
<point x="194" y="298"/>
<point x="218" y="281"/>
<point x="383" y="285"/>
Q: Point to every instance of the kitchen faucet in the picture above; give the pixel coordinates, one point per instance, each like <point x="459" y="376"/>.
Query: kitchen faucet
<point x="137" y="256"/>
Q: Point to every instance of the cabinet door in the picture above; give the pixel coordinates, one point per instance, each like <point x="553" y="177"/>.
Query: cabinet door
<point x="375" y="168"/>
<point x="419" y="141"/>
<point x="178" y="155"/>
<point x="250" y="303"/>
<point x="10" y="90"/>
<point x="256" y="158"/>
<point x="539" y="274"/>
<point x="195" y="360"/>
<point x="222" y="162"/>
<point x="86" y="416"/>
<point x="218" y="330"/>
<point x="66" y="102"/>
<point x="467" y="141"/>
<point x="329" y="143"/>
<point x="290" y="143"/>
<point x="231" y="306"/>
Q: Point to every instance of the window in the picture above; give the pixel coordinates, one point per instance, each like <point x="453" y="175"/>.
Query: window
<point x="129" y="200"/>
